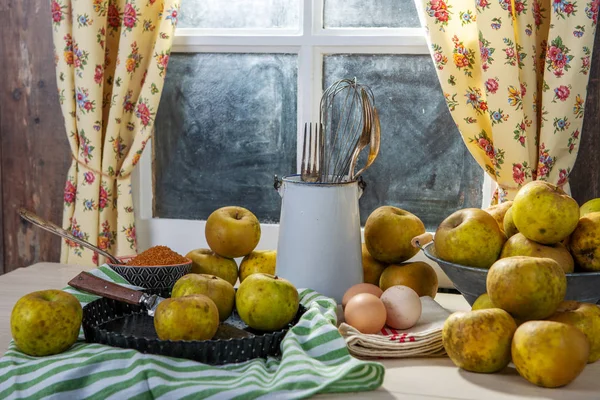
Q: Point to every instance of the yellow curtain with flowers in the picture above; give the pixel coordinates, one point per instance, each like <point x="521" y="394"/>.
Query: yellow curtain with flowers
<point x="111" y="58"/>
<point x="514" y="74"/>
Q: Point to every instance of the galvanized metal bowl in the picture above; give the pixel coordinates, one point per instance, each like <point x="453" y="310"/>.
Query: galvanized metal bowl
<point x="470" y="281"/>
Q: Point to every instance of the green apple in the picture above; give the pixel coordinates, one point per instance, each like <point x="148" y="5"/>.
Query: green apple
<point x="479" y="341"/>
<point x="218" y="290"/>
<point x="266" y="302"/>
<point x="418" y="275"/>
<point x="483" y="302"/>
<point x="519" y="245"/>
<point x="469" y="237"/>
<point x="388" y="233"/>
<point x="232" y="231"/>
<point x="372" y="269"/>
<point x="193" y="317"/>
<point x="258" y="261"/>
<point x="498" y="211"/>
<point x="585" y="242"/>
<point x="509" y="225"/>
<point x="527" y="287"/>
<point x="585" y="317"/>
<point x="548" y="353"/>
<point x="46" y="322"/>
<point x="544" y="213"/>
<point x="590" y="206"/>
<point x="206" y="261"/>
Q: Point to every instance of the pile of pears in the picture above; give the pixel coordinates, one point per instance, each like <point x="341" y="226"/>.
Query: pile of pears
<point x="524" y="317"/>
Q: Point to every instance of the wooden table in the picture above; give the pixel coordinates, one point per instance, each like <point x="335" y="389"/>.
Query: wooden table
<point x="418" y="379"/>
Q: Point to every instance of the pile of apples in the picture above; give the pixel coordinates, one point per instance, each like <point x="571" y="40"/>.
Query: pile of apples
<point x="528" y="245"/>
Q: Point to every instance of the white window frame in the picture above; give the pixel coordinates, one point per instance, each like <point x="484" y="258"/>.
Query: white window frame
<point x="310" y="43"/>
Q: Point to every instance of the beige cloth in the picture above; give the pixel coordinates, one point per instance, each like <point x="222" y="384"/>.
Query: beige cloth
<point x="422" y="340"/>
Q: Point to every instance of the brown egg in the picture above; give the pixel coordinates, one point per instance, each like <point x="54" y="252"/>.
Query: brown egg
<point x="366" y="313"/>
<point x="361" y="288"/>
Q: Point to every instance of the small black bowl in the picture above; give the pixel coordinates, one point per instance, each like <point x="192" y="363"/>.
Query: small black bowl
<point x="153" y="277"/>
<point x="470" y="282"/>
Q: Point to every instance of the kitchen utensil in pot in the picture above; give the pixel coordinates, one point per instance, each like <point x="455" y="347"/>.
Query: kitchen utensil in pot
<point x="311" y="164"/>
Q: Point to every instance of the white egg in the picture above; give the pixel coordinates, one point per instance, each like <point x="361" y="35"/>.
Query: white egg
<point x="403" y="307"/>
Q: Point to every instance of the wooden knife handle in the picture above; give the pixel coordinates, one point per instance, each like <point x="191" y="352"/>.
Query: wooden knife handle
<point x="98" y="286"/>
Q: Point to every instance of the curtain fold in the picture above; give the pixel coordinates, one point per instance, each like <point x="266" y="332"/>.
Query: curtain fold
<point x="514" y="74"/>
<point x="111" y="58"/>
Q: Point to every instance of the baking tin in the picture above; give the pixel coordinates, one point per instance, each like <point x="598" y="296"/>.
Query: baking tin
<point x="118" y="324"/>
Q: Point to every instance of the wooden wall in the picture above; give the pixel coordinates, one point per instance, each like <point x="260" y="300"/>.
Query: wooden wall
<point x="34" y="154"/>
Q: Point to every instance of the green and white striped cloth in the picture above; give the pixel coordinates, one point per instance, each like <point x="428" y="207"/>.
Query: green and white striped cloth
<point x="314" y="360"/>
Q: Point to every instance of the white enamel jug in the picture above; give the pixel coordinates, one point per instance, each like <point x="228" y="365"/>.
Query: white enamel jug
<point x="319" y="244"/>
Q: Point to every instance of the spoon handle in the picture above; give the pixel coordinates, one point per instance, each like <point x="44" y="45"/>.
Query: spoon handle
<point x="50" y="227"/>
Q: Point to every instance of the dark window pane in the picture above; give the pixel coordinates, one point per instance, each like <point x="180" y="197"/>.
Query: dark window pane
<point x="239" y="14"/>
<point x="370" y="14"/>
<point x="226" y="124"/>
<point x="423" y="165"/>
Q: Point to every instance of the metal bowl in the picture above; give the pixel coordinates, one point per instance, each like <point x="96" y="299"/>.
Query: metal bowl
<point x="470" y="282"/>
<point x="153" y="276"/>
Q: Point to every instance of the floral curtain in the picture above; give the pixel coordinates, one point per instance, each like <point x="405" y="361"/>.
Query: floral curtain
<point x="515" y="74"/>
<point x="111" y="58"/>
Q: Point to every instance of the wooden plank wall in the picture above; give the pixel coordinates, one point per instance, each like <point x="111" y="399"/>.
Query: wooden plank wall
<point x="34" y="154"/>
<point x="34" y="149"/>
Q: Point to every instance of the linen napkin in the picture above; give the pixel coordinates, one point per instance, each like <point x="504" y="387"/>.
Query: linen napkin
<point x="314" y="360"/>
<point x="422" y="340"/>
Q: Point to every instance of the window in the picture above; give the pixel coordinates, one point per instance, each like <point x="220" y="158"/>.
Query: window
<point x="243" y="78"/>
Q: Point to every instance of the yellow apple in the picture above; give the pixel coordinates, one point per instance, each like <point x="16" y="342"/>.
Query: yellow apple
<point x="388" y="233"/>
<point x="544" y="213"/>
<point x="46" y="322"/>
<point x="519" y="245"/>
<point x="232" y="231"/>
<point x="372" y="268"/>
<point x="483" y="302"/>
<point x="585" y="317"/>
<point x="590" y="206"/>
<point x="218" y="290"/>
<point x="498" y="211"/>
<point x="266" y="302"/>
<point x="549" y="354"/>
<point x="419" y="276"/>
<point x="258" y="261"/>
<point x="585" y="242"/>
<point x="509" y="225"/>
<point x="527" y="287"/>
<point x="479" y="341"/>
<point x="469" y="237"/>
<point x="194" y="317"/>
<point x="206" y="261"/>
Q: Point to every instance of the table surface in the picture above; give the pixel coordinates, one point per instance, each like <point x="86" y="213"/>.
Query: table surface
<point x="420" y="378"/>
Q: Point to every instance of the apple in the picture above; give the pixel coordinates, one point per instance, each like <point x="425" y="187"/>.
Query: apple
<point x="218" y="290"/>
<point x="509" y="225"/>
<point x="527" y="287"/>
<point x="585" y="317"/>
<point x="544" y="213"/>
<point x="519" y="245"/>
<point x="585" y="242"/>
<point x="469" y="237"/>
<point x="232" y="231"/>
<point x="549" y="354"/>
<point x="193" y="317"/>
<point x="589" y="206"/>
<point x="479" y="341"/>
<point x="258" y="261"/>
<point x="372" y="268"/>
<point x="388" y="233"/>
<point x="206" y="261"/>
<point x="266" y="302"/>
<point x="498" y="211"/>
<point x="483" y="302"/>
<point x="419" y="276"/>
<point x="46" y="322"/>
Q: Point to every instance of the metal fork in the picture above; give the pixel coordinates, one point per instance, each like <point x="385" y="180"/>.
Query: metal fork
<point x="310" y="170"/>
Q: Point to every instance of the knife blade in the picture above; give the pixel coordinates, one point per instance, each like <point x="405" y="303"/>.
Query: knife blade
<point x="92" y="284"/>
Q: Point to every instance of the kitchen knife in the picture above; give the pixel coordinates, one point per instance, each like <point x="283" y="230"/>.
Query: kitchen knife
<point x="100" y="287"/>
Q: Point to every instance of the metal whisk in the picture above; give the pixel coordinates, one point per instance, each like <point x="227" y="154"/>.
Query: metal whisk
<point x="347" y="118"/>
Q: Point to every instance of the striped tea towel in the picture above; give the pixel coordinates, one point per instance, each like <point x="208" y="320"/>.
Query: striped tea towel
<point x="314" y="360"/>
<point x="422" y="340"/>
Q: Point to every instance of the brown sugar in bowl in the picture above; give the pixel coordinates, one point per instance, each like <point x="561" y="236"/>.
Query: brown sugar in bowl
<point x="156" y="268"/>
